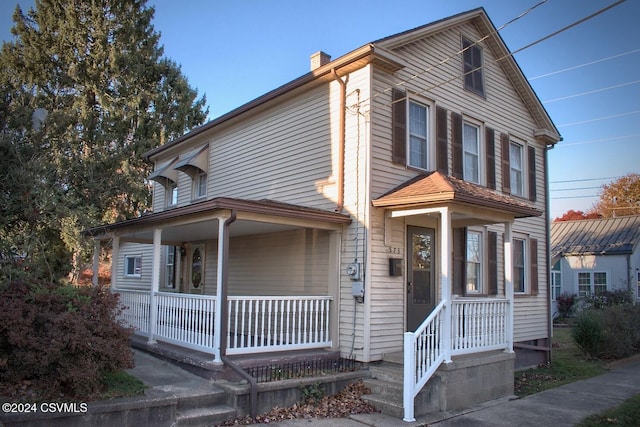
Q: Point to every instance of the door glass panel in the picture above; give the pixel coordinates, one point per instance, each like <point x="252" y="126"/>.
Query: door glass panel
<point x="196" y="268"/>
<point x="421" y="268"/>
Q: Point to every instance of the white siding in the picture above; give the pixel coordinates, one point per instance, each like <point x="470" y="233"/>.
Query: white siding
<point x="135" y="249"/>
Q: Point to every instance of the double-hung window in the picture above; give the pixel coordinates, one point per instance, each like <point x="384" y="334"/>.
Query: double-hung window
<point x="171" y="194"/>
<point x="517" y="169"/>
<point x="556" y="281"/>
<point x="418" y="135"/>
<point x="471" y="152"/>
<point x="592" y="283"/>
<point x="474" y="262"/>
<point x="472" y="68"/>
<point x="519" y="270"/>
<point x="200" y="185"/>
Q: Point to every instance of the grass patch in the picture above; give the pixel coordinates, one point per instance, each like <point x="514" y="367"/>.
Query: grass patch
<point x="569" y="364"/>
<point x="120" y="384"/>
<point x="625" y="415"/>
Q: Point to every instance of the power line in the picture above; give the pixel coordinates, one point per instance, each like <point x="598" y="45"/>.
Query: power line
<point x="510" y="54"/>
<point x="636" y="135"/>
<point x="589" y="92"/>
<point x="628" y="113"/>
<point x="455" y="55"/>
<point x="584" y="179"/>
<point x="584" y="65"/>
<point x="574" y="189"/>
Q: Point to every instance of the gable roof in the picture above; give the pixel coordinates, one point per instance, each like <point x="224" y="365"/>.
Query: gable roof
<point x="436" y="188"/>
<point x="604" y="236"/>
<point x="379" y="53"/>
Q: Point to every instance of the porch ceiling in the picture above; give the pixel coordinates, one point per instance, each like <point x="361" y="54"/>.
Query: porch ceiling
<point x="199" y="221"/>
<point x="436" y="189"/>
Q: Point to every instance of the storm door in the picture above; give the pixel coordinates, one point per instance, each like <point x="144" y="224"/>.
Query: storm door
<point x="196" y="276"/>
<point x="420" y="275"/>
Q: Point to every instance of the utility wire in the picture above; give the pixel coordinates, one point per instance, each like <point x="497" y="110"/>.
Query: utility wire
<point x="584" y="65"/>
<point x="589" y="92"/>
<point x="585" y="179"/>
<point x="455" y="55"/>
<point x="636" y="135"/>
<point x="628" y="113"/>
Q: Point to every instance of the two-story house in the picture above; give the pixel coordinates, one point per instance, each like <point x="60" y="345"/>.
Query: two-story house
<point x="392" y="200"/>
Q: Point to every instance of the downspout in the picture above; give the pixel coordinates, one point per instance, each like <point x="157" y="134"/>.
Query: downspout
<point x="224" y="313"/>
<point x="548" y="249"/>
<point x="341" y="139"/>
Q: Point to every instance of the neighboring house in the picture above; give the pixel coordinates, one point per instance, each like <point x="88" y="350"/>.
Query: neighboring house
<point x="593" y="255"/>
<point x="404" y="181"/>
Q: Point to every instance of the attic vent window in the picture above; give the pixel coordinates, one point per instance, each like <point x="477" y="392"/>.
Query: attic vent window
<point x="472" y="67"/>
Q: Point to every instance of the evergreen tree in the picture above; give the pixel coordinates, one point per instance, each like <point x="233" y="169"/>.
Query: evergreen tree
<point x="85" y="91"/>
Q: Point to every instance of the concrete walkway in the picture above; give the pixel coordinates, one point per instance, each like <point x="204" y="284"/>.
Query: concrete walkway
<point x="563" y="406"/>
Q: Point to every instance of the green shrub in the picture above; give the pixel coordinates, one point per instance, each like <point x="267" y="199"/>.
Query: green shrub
<point x="58" y="341"/>
<point x="609" y="333"/>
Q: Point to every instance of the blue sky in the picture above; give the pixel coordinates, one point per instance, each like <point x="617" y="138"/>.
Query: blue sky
<point x="235" y="51"/>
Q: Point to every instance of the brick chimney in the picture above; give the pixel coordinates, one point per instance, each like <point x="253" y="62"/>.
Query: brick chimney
<point x="319" y="59"/>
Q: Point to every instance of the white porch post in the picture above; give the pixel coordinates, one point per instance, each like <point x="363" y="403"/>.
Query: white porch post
<point x="155" y="283"/>
<point x="217" y="324"/>
<point x="508" y="284"/>
<point x="445" y="280"/>
<point x="115" y="255"/>
<point x="96" y="262"/>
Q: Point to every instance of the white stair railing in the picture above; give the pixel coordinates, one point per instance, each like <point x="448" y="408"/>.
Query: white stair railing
<point x="423" y="353"/>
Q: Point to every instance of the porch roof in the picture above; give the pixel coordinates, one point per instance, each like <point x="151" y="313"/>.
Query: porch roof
<point x="436" y="188"/>
<point x="261" y="207"/>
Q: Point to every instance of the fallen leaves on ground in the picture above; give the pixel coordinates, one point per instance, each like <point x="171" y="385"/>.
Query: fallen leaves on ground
<point x="340" y="405"/>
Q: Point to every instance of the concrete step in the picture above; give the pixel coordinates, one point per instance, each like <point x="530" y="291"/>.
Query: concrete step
<point x="391" y="372"/>
<point x="391" y="389"/>
<point x="201" y="398"/>
<point x="384" y="404"/>
<point x="201" y="417"/>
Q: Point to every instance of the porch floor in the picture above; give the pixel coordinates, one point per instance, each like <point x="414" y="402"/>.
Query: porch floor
<point x="203" y="364"/>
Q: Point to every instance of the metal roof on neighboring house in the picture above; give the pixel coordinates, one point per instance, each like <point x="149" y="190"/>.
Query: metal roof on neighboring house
<point x="604" y="236"/>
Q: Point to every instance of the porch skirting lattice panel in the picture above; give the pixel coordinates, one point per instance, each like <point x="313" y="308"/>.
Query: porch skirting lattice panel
<point x="254" y="324"/>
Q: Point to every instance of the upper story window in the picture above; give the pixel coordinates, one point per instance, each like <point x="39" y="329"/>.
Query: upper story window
<point x="517" y="169"/>
<point x="472" y="67"/>
<point x="200" y="185"/>
<point x="171" y="194"/>
<point x="471" y="152"/>
<point x="418" y="135"/>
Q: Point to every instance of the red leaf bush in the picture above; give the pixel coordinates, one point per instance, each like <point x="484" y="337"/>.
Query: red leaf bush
<point x="58" y="341"/>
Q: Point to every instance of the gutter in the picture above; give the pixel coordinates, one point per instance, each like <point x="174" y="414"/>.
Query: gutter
<point x="341" y="140"/>
<point x="224" y="313"/>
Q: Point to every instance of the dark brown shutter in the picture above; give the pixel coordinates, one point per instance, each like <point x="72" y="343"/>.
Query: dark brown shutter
<point x="491" y="158"/>
<point x="456" y="145"/>
<point x="533" y="249"/>
<point x="532" y="173"/>
<point x="459" y="260"/>
<point x="442" y="141"/>
<point x="399" y="127"/>
<point x="506" y="164"/>
<point x="492" y="263"/>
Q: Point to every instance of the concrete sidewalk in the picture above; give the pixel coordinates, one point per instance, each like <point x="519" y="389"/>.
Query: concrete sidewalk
<point x="563" y="406"/>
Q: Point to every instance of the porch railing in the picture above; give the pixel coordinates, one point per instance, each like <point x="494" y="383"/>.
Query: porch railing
<point x="476" y="325"/>
<point x="255" y="324"/>
<point x="260" y="324"/>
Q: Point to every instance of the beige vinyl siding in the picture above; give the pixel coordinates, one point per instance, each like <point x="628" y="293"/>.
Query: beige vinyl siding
<point x="283" y="154"/>
<point x="287" y="263"/>
<point x="502" y="110"/>
<point x="135" y="249"/>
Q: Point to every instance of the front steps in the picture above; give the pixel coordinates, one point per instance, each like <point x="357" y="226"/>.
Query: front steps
<point x="204" y="408"/>
<point x="386" y="389"/>
<point x="467" y="381"/>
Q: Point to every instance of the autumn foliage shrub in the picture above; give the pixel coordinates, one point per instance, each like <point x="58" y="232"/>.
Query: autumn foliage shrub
<point x="58" y="341"/>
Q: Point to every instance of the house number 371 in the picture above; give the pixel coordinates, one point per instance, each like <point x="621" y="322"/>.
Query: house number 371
<point x="394" y="250"/>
